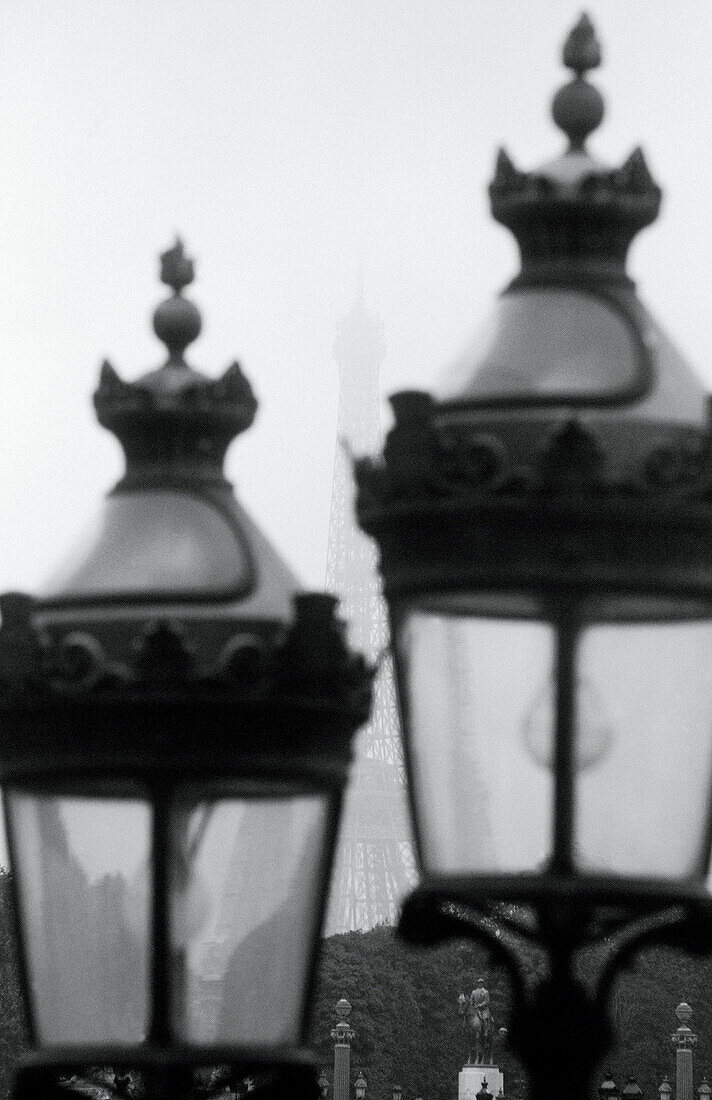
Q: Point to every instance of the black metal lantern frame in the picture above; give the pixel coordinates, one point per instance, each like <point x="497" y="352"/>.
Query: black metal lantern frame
<point x="75" y="725"/>
<point x="176" y="687"/>
<point x="556" y="483"/>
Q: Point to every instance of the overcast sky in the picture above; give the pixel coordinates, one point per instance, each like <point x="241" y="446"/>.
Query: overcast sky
<point x="292" y="142"/>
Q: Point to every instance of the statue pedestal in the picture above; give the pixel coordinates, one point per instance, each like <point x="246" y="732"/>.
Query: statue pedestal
<point x="471" y="1078"/>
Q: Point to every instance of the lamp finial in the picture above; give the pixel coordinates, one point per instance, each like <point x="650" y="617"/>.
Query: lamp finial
<point x="582" y="50"/>
<point x="578" y="106"/>
<point x="176" y="321"/>
<point x="177" y="269"/>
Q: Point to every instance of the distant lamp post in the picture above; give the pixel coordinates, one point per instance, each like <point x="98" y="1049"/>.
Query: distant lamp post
<point x="397" y="1092"/>
<point x="170" y="707"/>
<point x="544" y="527"/>
<point x="704" y="1090"/>
<point x="360" y="1087"/>
<point x="684" y="1040"/>
<point x="631" y="1090"/>
<point x="323" y="1083"/>
<point x="343" y="1035"/>
<point x="665" y="1089"/>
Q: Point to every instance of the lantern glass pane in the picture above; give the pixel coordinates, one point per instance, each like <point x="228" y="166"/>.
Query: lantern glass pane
<point x="554" y="344"/>
<point x="643" y="788"/>
<point x="478" y="735"/>
<point x="82" y="881"/>
<point x="246" y="886"/>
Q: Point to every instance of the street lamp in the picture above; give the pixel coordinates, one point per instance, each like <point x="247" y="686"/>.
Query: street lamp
<point x="608" y="1089"/>
<point x="632" y="1090"/>
<point x="360" y="1085"/>
<point x="397" y="1092"/>
<point x="175" y="729"/>
<point x="545" y="528"/>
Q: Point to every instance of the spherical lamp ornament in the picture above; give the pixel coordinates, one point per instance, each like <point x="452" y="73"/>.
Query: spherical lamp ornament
<point x="176" y="721"/>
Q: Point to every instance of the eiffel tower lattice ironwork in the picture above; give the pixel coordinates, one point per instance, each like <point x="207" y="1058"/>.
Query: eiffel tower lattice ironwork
<point x="375" y="864"/>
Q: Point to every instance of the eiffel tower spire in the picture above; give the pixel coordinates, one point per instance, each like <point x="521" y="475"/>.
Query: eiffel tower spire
<point x="375" y="863"/>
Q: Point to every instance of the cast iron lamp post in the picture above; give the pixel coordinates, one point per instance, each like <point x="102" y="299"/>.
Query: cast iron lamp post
<point x="175" y="729"/>
<point x="545" y="536"/>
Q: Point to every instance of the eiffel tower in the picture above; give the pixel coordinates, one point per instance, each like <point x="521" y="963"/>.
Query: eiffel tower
<point x="375" y="864"/>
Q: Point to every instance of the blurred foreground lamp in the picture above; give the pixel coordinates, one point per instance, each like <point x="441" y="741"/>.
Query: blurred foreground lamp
<point x="176" y="721"/>
<point x="545" y="534"/>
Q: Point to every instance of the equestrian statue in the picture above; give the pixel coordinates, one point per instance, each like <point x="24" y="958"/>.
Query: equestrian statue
<point x="477" y="1021"/>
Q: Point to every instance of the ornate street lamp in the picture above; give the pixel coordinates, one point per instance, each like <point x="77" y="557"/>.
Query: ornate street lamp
<point x="632" y="1090"/>
<point x="360" y="1085"/>
<point x="545" y="536"/>
<point x="175" y="730"/>
<point x="608" y="1089"/>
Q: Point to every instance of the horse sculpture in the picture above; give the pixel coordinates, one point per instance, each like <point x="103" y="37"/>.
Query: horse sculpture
<point x="477" y="1021"/>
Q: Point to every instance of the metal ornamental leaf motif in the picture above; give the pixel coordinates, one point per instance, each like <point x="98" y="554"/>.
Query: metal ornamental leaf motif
<point x="685" y="472"/>
<point x="163" y="656"/>
<point x="632" y="181"/>
<point x="309" y="661"/>
<point x="571" y="460"/>
<point x="232" y="388"/>
<point x="424" y="462"/>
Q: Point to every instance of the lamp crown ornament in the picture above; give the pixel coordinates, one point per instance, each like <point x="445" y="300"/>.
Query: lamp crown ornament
<point x="571" y="304"/>
<point x="574" y="214"/>
<point x="175" y="423"/>
<point x="684" y="1037"/>
<point x="343" y="1033"/>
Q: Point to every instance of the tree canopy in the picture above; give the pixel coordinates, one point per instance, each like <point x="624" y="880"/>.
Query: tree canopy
<point x="408" y="1029"/>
